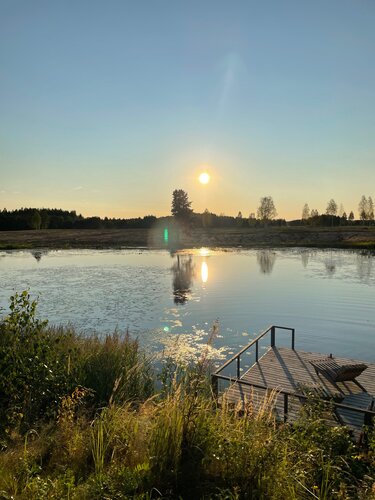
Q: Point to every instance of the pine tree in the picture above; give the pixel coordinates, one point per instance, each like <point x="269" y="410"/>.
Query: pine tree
<point x="181" y="206"/>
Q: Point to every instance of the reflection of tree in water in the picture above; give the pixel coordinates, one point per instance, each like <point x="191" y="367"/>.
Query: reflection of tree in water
<point x="266" y="260"/>
<point x="37" y="255"/>
<point x="305" y="257"/>
<point x="364" y="267"/>
<point x="330" y="265"/>
<point x="183" y="274"/>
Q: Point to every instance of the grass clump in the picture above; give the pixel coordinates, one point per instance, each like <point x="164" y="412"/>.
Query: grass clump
<point x="99" y="431"/>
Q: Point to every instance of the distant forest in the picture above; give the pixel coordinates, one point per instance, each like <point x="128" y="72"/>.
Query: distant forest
<point x="33" y="218"/>
<point x="46" y="218"/>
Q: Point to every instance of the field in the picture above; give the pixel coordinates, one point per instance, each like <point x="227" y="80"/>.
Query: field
<point x="337" y="237"/>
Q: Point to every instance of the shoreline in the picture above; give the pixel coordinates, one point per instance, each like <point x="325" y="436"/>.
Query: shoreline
<point x="360" y="238"/>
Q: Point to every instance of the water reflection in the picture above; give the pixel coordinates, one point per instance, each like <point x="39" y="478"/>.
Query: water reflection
<point x="305" y="257"/>
<point x="37" y="255"/>
<point x="364" y="267"/>
<point x="183" y="274"/>
<point x="330" y="265"/>
<point x="266" y="260"/>
<point x="204" y="272"/>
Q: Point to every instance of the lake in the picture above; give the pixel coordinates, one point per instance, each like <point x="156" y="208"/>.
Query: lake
<point x="170" y="301"/>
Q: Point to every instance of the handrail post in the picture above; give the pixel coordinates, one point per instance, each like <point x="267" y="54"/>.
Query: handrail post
<point x="293" y="338"/>
<point x="272" y="336"/>
<point x="368" y="420"/>
<point x="215" y="385"/>
<point x="256" y="352"/>
<point x="286" y="400"/>
<point x="238" y="367"/>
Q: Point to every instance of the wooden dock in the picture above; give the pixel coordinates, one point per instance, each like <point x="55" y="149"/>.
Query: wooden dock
<point x="289" y="372"/>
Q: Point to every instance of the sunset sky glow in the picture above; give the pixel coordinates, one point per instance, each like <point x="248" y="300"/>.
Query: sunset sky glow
<point x="107" y="107"/>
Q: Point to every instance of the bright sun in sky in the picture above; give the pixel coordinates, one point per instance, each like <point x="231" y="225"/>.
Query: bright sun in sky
<point x="204" y="178"/>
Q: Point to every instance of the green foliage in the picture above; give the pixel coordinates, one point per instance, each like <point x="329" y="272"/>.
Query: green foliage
<point x="108" y="440"/>
<point x="40" y="365"/>
<point x="115" y="369"/>
<point x="33" y="374"/>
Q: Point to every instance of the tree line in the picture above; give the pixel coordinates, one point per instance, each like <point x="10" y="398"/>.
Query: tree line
<point x="46" y="218"/>
<point x="266" y="214"/>
<point x="336" y="215"/>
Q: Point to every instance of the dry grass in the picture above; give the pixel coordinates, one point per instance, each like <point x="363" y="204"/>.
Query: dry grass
<point x="337" y="237"/>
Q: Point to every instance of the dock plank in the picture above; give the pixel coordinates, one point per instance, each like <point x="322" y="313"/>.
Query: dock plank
<point x="290" y="370"/>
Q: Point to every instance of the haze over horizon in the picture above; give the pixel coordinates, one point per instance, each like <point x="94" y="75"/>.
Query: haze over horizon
<point x="107" y="107"/>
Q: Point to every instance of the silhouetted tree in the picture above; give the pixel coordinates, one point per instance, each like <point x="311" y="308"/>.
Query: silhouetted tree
<point x="305" y="212"/>
<point x="35" y="220"/>
<point x="351" y="216"/>
<point x="370" y="209"/>
<point x="239" y="221"/>
<point x="314" y="213"/>
<point x="363" y="208"/>
<point x="331" y="209"/>
<point x="206" y="218"/>
<point x="181" y="206"/>
<point x="266" y="210"/>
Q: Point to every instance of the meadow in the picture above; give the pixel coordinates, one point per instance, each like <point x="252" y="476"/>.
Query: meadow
<point x="247" y="237"/>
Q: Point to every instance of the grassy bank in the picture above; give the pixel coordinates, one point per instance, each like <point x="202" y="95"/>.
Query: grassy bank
<point x="80" y="419"/>
<point x="336" y="237"/>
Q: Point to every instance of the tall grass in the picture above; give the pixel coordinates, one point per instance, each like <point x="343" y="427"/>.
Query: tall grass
<point x="108" y="436"/>
<point x="40" y="365"/>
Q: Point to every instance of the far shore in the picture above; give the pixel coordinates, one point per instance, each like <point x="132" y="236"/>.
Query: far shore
<point x="319" y="237"/>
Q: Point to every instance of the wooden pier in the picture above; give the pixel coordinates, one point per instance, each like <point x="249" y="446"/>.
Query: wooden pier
<point x="290" y="373"/>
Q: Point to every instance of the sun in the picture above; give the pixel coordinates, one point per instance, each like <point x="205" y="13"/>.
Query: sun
<point x="204" y="178"/>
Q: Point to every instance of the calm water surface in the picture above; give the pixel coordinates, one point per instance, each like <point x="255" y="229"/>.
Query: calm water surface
<point x="171" y="301"/>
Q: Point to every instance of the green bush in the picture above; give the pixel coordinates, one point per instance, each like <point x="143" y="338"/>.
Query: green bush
<point x="34" y="374"/>
<point x="40" y="365"/>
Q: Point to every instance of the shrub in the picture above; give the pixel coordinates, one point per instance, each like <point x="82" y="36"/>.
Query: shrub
<point x="41" y="365"/>
<point x="33" y="373"/>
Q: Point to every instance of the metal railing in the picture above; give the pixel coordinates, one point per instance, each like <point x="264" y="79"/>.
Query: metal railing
<point x="369" y="414"/>
<point x="237" y="357"/>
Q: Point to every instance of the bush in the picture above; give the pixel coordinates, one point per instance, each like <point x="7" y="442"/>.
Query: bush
<point x="34" y="374"/>
<point x="40" y="365"/>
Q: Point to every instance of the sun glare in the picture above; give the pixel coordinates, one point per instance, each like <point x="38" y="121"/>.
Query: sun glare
<point x="204" y="272"/>
<point x="204" y="178"/>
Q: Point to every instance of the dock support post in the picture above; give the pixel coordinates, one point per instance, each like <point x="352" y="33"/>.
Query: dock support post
<point x="238" y="367"/>
<point x="286" y="407"/>
<point x="272" y="336"/>
<point x="215" y="385"/>
<point x="256" y="352"/>
<point x="293" y="337"/>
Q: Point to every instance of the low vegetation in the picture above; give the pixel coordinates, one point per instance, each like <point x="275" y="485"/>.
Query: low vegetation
<point x="81" y="419"/>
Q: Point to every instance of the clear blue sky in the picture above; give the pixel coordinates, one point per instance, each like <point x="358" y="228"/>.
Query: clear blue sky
<point x="107" y="106"/>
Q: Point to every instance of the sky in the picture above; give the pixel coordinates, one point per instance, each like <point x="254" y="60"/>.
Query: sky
<point x="108" y="106"/>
